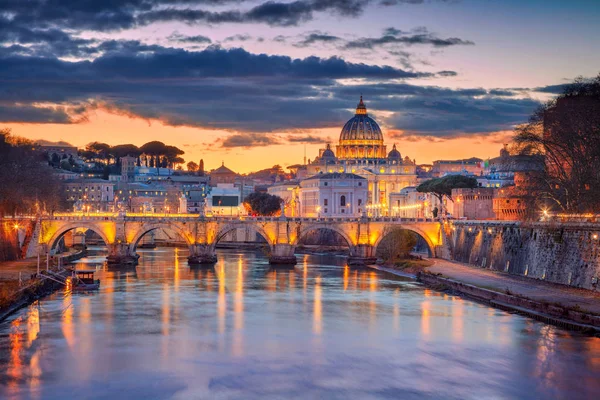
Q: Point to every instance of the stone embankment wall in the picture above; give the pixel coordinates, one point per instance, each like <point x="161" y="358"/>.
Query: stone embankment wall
<point x="565" y="253"/>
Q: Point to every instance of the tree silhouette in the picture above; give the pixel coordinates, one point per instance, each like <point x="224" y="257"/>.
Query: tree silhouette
<point x="566" y="132"/>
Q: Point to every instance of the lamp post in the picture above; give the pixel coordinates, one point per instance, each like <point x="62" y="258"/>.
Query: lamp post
<point x="319" y="212"/>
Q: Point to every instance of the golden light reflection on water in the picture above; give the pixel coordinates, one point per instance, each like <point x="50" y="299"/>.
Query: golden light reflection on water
<point x="221" y="299"/>
<point x="396" y="311"/>
<point x="317" y="308"/>
<point x="458" y="318"/>
<point x="15" y="369"/>
<point x="67" y="320"/>
<point x="238" y="311"/>
<point x="425" y="315"/>
<point x="165" y="319"/>
<point x="346" y="276"/>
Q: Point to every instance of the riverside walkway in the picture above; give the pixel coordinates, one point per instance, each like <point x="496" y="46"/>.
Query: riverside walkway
<point x="533" y="289"/>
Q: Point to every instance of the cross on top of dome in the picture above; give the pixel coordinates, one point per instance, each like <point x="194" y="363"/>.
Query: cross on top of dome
<point x="361" y="109"/>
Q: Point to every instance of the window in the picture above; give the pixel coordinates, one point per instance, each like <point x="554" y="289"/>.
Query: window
<point x="325" y="210"/>
<point x="325" y="183"/>
<point x="359" y="202"/>
<point x="343" y="201"/>
<point x="325" y="202"/>
<point x="359" y="183"/>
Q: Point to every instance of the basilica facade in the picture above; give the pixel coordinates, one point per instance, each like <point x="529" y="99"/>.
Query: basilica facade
<point x="361" y="151"/>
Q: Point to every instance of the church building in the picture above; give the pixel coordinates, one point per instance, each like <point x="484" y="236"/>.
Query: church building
<point x="362" y="151"/>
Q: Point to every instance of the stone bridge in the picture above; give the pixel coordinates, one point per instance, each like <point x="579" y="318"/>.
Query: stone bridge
<point x="123" y="231"/>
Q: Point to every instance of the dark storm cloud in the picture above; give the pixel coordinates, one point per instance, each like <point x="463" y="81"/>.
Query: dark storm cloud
<point x="112" y="15"/>
<point x="217" y="88"/>
<point x="249" y="93"/>
<point x="271" y="13"/>
<point x="14" y="112"/>
<point x="552" y="89"/>
<point x="457" y="116"/>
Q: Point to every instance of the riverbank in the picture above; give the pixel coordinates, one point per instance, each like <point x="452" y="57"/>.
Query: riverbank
<point x="19" y="285"/>
<point x="564" y="306"/>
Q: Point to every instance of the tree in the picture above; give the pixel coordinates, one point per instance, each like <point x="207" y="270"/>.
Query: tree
<point x="55" y="160"/>
<point x="201" y="167"/>
<point x="262" y="204"/>
<point x="154" y="149"/>
<point x="566" y="132"/>
<point x="64" y="164"/>
<point x="397" y="243"/>
<point x="28" y="184"/>
<point x="442" y="187"/>
<point x="192" y="166"/>
<point x="123" y="150"/>
<point x="99" y="152"/>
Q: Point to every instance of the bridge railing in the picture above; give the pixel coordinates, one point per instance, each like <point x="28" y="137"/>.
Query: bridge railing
<point x="188" y="217"/>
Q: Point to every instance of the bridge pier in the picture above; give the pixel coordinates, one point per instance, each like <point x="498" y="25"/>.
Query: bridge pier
<point x="362" y="254"/>
<point x="283" y="254"/>
<point x="121" y="254"/>
<point x="202" y="254"/>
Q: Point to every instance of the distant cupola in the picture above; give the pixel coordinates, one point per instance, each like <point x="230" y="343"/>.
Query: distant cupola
<point x="394" y="155"/>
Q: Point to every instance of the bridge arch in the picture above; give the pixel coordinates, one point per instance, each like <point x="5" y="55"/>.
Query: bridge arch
<point x="304" y="230"/>
<point x="225" y="229"/>
<point x="63" y="229"/>
<point x="414" y="229"/>
<point x="147" y="228"/>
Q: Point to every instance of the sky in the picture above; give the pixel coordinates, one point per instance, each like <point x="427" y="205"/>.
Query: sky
<point x="261" y="82"/>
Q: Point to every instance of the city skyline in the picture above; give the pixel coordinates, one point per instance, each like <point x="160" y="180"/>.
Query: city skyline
<point x="252" y="83"/>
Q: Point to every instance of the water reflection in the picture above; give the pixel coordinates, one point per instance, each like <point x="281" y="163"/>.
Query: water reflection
<point x="245" y="330"/>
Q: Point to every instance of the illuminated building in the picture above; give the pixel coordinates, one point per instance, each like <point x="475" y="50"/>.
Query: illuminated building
<point x="362" y="151"/>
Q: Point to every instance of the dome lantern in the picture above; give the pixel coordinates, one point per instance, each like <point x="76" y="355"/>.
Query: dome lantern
<point x="361" y="109"/>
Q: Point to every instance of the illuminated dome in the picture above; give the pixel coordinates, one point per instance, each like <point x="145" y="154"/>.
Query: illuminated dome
<point x="361" y="137"/>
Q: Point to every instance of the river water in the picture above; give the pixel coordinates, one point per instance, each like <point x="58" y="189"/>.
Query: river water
<point x="242" y="330"/>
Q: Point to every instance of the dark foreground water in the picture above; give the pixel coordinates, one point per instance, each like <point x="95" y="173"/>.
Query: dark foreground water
<point x="243" y="330"/>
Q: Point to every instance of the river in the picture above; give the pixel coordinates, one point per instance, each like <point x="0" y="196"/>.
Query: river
<point x="243" y="330"/>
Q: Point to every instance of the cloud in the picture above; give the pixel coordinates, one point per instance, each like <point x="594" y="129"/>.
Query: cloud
<point x="317" y="37"/>
<point x="14" y="112"/>
<point x="248" y="140"/>
<point x="177" y="37"/>
<point x="271" y="13"/>
<point x="305" y="139"/>
<point x="237" y="38"/>
<point x="393" y="36"/>
<point x="113" y="15"/>
<point x="249" y="94"/>
<point x="552" y="89"/>
<point x="447" y="73"/>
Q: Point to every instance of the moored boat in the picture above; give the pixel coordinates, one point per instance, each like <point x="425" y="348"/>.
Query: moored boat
<point x="83" y="280"/>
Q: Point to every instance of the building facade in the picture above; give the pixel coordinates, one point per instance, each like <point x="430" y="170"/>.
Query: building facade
<point x="476" y="204"/>
<point x="335" y="194"/>
<point x="90" y="194"/>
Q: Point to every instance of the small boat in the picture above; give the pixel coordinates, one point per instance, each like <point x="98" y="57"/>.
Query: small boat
<point x="83" y="280"/>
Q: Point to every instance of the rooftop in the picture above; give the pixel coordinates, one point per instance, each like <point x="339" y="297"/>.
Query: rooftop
<point x="337" y="175"/>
